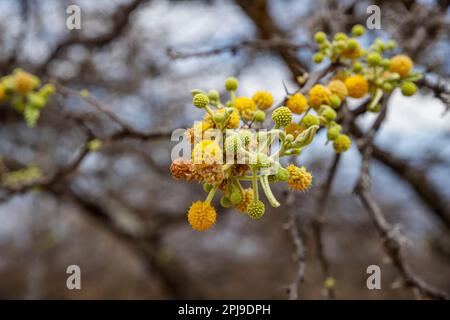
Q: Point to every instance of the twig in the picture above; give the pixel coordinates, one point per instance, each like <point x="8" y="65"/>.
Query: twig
<point x="234" y="48"/>
<point x="392" y="239"/>
<point x="319" y="220"/>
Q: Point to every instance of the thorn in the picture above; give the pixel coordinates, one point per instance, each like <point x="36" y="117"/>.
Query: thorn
<point x="285" y="88"/>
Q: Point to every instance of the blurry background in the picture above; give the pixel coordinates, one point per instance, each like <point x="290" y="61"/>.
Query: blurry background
<point x="122" y="218"/>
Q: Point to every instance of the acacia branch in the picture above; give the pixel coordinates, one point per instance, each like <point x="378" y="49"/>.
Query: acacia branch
<point x="120" y="19"/>
<point x="393" y="240"/>
<point x="319" y="220"/>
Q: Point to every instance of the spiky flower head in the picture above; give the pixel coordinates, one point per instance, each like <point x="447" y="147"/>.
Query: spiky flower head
<point x="247" y="198"/>
<point x="210" y="172"/>
<point x="246" y="107"/>
<point x="401" y="64"/>
<point x="297" y="103"/>
<point x="256" y="209"/>
<point x="299" y="178"/>
<point x="293" y="128"/>
<point x="263" y="99"/>
<point x="342" y="143"/>
<point x="319" y="95"/>
<point x="333" y="132"/>
<point x="357" y="86"/>
<point x="338" y="88"/>
<point x="231" y="84"/>
<point x="206" y="151"/>
<point x="310" y="120"/>
<point x="282" y="116"/>
<point x="202" y="216"/>
<point x="200" y="100"/>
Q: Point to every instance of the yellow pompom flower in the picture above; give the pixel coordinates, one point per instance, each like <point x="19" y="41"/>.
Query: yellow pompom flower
<point x="342" y="143"/>
<point x="206" y="151"/>
<point x="246" y="200"/>
<point x="263" y="99"/>
<point x="245" y="106"/>
<point x="202" y="216"/>
<point x="401" y="64"/>
<point x="299" y="178"/>
<point x="297" y="103"/>
<point x="357" y="86"/>
<point x="338" y="88"/>
<point x="294" y="128"/>
<point x="319" y="95"/>
<point x="25" y="82"/>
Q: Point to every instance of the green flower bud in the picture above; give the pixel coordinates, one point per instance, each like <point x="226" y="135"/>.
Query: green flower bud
<point x="318" y="57"/>
<point x="231" y="84"/>
<point x="342" y="143"/>
<point x="357" y="67"/>
<point x="310" y="120"/>
<point x="213" y="95"/>
<point x="352" y="44"/>
<point x="379" y="82"/>
<point x="333" y="132"/>
<point x="225" y="202"/>
<point x="408" y="89"/>
<point x="260" y="116"/>
<point x="380" y="44"/>
<point x="391" y="45"/>
<point x="335" y="102"/>
<point x="282" y="116"/>
<point x="374" y="59"/>
<point x="385" y="63"/>
<point x="340" y="44"/>
<point x="207" y="187"/>
<point x="36" y="100"/>
<point x="340" y="36"/>
<point x="320" y="37"/>
<point x="358" y="30"/>
<point x="329" y="114"/>
<point x="387" y="87"/>
<point x="47" y="90"/>
<point x="236" y="197"/>
<point x="255" y="209"/>
<point x="200" y="100"/>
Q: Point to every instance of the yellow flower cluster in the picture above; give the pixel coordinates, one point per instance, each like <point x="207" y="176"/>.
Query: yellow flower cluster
<point x="21" y="90"/>
<point x="226" y="153"/>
